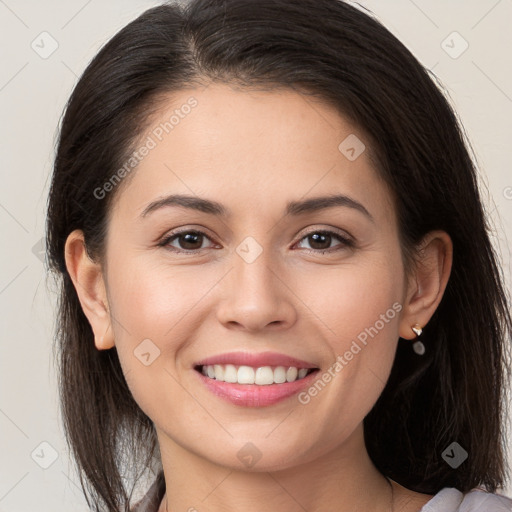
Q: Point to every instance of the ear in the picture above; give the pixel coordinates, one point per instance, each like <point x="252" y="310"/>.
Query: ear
<point x="87" y="277"/>
<point x="427" y="282"/>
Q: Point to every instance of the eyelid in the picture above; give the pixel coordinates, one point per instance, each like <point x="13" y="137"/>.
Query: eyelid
<point x="329" y="230"/>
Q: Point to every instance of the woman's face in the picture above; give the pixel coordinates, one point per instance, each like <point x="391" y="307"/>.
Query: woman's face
<point x="255" y="279"/>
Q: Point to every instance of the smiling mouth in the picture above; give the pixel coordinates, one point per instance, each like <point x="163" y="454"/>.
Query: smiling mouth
<point x="260" y="376"/>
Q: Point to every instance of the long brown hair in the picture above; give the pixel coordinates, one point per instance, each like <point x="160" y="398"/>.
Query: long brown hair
<point x="336" y="52"/>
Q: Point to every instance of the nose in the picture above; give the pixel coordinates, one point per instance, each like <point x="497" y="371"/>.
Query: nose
<point x="256" y="297"/>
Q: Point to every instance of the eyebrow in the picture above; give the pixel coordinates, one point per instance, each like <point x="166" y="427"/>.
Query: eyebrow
<point x="293" y="208"/>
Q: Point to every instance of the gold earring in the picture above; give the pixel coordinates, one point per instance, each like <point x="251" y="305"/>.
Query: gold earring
<point x="417" y="329"/>
<point x="418" y="346"/>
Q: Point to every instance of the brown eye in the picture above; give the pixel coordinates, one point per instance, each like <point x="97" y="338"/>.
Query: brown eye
<point x="321" y="241"/>
<point x="186" y="241"/>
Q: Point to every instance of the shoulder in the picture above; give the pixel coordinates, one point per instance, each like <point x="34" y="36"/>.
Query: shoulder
<point x="450" y="499"/>
<point x="482" y="501"/>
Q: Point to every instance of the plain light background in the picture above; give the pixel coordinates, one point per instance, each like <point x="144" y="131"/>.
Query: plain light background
<point x="34" y="87"/>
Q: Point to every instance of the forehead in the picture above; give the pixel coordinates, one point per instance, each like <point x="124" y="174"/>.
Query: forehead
<point x="257" y="148"/>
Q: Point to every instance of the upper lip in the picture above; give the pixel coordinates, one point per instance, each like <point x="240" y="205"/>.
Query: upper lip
<point x="255" y="360"/>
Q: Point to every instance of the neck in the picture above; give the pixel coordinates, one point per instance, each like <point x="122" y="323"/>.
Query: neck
<point x="342" y="479"/>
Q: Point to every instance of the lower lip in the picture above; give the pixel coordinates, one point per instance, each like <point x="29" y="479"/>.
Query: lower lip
<point x="252" y="395"/>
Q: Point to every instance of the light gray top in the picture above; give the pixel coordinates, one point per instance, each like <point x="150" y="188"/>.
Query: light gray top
<point x="450" y="499"/>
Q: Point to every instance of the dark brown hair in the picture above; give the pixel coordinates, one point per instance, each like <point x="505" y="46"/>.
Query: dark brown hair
<point x="341" y="55"/>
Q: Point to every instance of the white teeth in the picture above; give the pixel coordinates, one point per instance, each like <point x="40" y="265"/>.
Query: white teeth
<point x="245" y="375"/>
<point x="219" y="371"/>
<point x="291" y="374"/>
<point x="280" y="375"/>
<point x="302" y="373"/>
<point x="230" y="374"/>
<point x="262" y="376"/>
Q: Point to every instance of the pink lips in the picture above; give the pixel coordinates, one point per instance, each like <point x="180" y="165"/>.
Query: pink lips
<point x="255" y="360"/>
<point x="253" y="395"/>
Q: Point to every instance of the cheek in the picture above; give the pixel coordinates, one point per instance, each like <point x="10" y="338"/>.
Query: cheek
<point x="359" y="309"/>
<point x="151" y="300"/>
<point x="152" y="309"/>
<point x="156" y="309"/>
<point x="353" y="298"/>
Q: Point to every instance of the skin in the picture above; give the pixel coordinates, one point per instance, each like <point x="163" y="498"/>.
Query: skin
<point x="253" y="152"/>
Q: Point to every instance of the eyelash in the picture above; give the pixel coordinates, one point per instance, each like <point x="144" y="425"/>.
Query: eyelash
<point x="345" y="241"/>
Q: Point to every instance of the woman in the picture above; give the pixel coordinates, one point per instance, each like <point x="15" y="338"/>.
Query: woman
<point x="278" y="288"/>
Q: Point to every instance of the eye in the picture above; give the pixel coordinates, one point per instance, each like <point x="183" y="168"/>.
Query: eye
<point x="320" y="240"/>
<point x="188" y="241"/>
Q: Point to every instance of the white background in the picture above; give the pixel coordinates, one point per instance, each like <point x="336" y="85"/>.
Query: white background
<point x="33" y="92"/>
